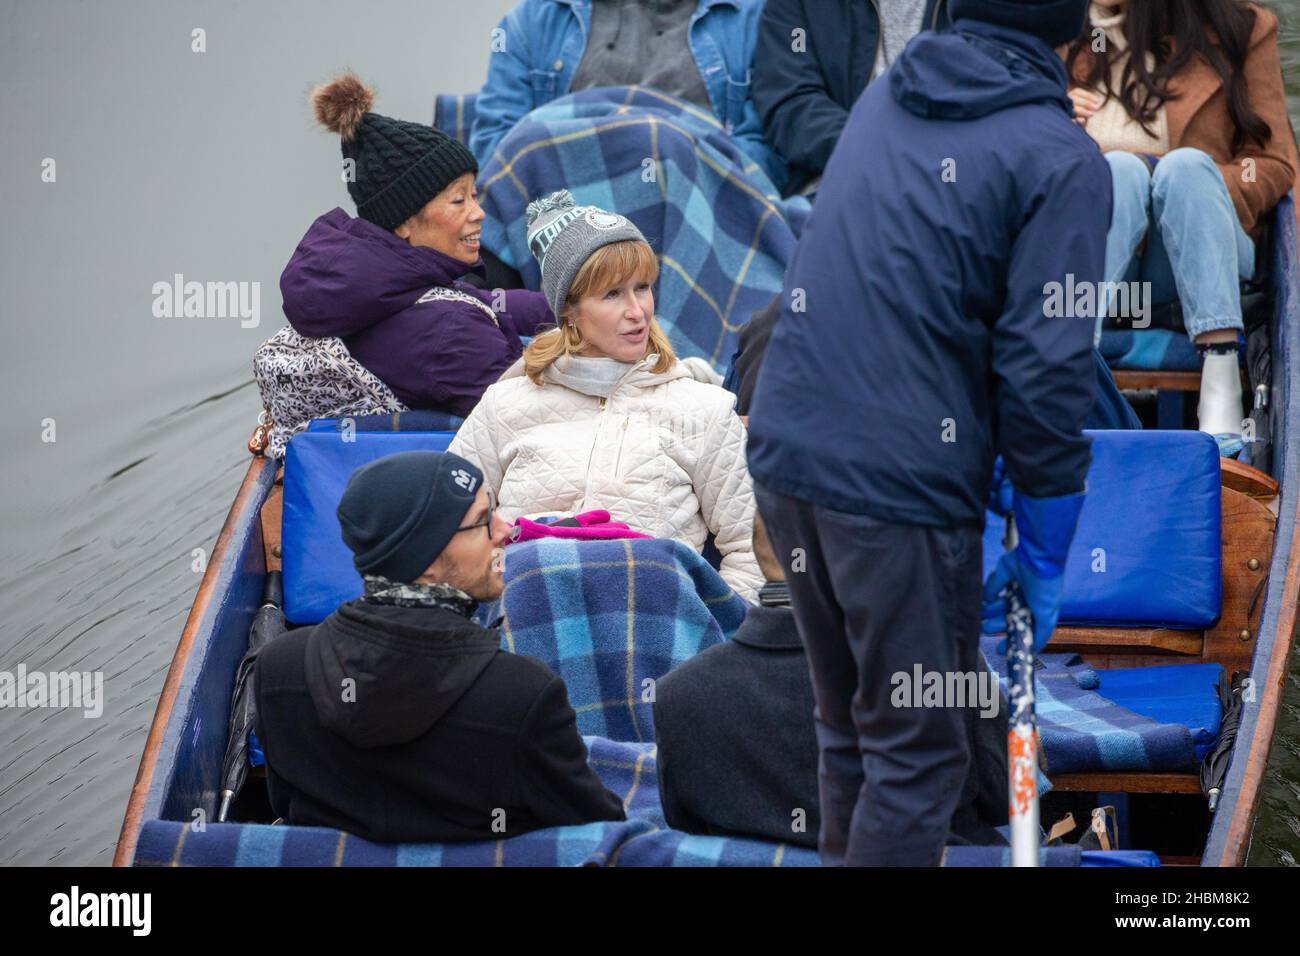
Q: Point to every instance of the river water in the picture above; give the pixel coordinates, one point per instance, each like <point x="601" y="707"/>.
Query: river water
<point x="124" y="431"/>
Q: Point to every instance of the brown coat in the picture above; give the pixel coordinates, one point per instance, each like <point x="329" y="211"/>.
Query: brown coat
<point x="1198" y="117"/>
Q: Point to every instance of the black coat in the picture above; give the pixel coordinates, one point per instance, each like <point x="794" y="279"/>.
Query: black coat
<point x="804" y="96"/>
<point x="442" y="732"/>
<point x="734" y="725"/>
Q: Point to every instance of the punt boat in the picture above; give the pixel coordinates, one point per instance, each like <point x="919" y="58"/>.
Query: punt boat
<point x="182" y="760"/>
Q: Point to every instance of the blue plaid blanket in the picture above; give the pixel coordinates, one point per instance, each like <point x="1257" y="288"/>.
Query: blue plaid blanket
<point x="628" y="769"/>
<point x="643" y="839"/>
<point x="721" y="229"/>
<point x="1083" y="732"/>
<point x="611" y="618"/>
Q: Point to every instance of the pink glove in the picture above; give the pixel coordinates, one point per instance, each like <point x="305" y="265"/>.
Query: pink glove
<point x="590" y="525"/>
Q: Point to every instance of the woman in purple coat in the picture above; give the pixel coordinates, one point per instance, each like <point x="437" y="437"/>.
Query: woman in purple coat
<point x="390" y="283"/>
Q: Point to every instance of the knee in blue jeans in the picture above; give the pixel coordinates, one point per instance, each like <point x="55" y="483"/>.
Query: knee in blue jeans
<point x="1130" y="177"/>
<point x="1183" y="167"/>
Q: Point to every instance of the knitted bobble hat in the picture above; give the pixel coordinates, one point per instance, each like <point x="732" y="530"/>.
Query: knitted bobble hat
<point x="399" y="166"/>
<point x="562" y="236"/>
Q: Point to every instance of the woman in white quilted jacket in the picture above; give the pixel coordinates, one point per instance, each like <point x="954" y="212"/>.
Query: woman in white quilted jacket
<point x="600" y="414"/>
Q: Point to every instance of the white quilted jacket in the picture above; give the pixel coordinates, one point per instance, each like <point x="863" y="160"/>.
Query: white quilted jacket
<point x="664" y="453"/>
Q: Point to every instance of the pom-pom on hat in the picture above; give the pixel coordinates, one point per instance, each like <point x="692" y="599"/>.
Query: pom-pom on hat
<point x="400" y="166"/>
<point x="562" y="236"/>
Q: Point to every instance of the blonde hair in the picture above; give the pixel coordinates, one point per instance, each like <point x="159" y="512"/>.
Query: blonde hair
<point x="607" y="267"/>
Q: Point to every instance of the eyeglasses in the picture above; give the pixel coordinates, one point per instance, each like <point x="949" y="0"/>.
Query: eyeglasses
<point x="487" y="519"/>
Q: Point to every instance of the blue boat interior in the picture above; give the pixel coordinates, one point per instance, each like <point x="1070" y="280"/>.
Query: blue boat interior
<point x="1165" y="589"/>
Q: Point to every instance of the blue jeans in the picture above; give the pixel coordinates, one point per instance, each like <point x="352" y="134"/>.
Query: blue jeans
<point x="1196" y="249"/>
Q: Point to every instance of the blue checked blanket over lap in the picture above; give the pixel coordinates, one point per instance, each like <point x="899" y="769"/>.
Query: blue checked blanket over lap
<point x="721" y="230"/>
<point x="1083" y="732"/>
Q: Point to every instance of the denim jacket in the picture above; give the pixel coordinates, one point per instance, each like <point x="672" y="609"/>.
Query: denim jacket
<point x="538" y="45"/>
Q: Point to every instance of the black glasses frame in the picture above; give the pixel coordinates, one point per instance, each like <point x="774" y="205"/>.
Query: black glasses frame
<point x="486" y="522"/>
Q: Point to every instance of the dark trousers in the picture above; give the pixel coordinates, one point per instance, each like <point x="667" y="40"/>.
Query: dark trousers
<point x="872" y="600"/>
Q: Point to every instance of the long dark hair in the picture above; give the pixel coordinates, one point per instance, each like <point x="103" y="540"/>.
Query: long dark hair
<point x="1175" y="31"/>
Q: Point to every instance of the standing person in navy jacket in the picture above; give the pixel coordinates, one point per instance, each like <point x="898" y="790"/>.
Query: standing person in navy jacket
<point x="918" y="339"/>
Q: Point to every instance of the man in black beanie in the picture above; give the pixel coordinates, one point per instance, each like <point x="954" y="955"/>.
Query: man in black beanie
<point x="916" y="343"/>
<point x="397" y="717"/>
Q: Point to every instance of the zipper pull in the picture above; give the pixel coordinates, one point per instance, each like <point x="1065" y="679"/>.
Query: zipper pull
<point x="602" y="404"/>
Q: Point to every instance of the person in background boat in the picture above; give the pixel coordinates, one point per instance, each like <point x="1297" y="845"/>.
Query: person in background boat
<point x="806" y="82"/>
<point x="600" y="413"/>
<point x="398" y="718"/>
<point x="697" y="50"/>
<point x="1185" y="98"/>
<point x="389" y="283"/>
<point x="907" y="356"/>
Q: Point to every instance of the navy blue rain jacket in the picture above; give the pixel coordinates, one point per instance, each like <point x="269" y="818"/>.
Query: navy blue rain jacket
<point x="914" y="341"/>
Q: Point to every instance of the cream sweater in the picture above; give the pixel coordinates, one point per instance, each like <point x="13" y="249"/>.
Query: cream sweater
<point x="1111" y="126"/>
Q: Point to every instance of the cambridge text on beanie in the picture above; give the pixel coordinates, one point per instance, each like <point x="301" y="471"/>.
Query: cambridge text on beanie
<point x="1056" y="22"/>
<point x="562" y="236"/>
<point x="398" y="512"/>
<point x="400" y="166"/>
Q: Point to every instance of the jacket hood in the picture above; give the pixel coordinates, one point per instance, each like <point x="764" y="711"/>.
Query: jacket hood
<point x="409" y="665"/>
<point x="977" y="69"/>
<point x="347" y="274"/>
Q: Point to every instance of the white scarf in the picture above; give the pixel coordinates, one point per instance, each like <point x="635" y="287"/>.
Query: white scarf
<point x="591" y="376"/>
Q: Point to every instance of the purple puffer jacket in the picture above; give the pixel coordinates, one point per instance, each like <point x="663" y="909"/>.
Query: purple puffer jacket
<point x="351" y="279"/>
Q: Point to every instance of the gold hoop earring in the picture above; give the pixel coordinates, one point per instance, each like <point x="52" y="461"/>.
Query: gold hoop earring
<point x="572" y="337"/>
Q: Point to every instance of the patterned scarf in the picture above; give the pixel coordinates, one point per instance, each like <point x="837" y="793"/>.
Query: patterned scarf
<point x="380" y="590"/>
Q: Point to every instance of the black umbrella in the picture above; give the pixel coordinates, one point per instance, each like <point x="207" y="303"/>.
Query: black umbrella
<point x="1215" y="766"/>
<point x="268" y="624"/>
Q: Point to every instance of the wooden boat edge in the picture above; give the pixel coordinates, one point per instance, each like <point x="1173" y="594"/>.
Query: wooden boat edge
<point x="1228" y="841"/>
<point x="242" y="517"/>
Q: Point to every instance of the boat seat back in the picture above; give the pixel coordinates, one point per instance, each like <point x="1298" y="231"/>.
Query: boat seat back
<point x="412" y="420"/>
<point x="318" y="570"/>
<point x="1148" y="549"/>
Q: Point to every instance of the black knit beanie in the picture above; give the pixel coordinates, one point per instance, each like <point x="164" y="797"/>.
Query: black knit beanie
<point x="1054" y="21"/>
<point x="399" y="512"/>
<point x="400" y="166"/>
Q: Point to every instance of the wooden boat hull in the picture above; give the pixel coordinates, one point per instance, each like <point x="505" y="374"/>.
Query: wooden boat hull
<point x="181" y="764"/>
<point x="1229" y="838"/>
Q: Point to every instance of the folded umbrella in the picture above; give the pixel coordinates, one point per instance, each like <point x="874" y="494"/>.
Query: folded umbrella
<point x="268" y="624"/>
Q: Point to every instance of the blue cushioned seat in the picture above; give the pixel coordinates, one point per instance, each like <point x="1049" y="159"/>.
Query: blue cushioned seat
<point x="318" y="571"/>
<point x="1147" y="552"/>
<point x="1186" y="694"/>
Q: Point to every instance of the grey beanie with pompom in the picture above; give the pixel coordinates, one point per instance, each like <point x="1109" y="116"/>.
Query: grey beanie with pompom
<point x="562" y="236"/>
<point x="399" y="166"/>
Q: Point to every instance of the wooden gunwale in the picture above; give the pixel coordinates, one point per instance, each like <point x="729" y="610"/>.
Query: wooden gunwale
<point x="242" y="511"/>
